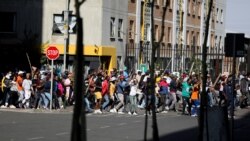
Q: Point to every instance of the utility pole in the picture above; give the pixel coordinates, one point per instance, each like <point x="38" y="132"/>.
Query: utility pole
<point x="203" y="105"/>
<point x="137" y="33"/>
<point x="66" y="35"/>
<point x="174" y="35"/>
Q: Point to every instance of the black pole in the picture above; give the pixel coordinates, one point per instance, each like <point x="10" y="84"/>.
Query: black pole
<point x="78" y="131"/>
<point x="233" y="90"/>
<point x="203" y="106"/>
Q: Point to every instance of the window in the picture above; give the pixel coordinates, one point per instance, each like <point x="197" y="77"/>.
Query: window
<point x="192" y="38"/>
<point x="198" y="38"/>
<point x="164" y="38"/>
<point x="131" y="29"/>
<point x="156" y="33"/>
<point x="8" y="22"/>
<point x="212" y="40"/>
<point x="58" y="24"/>
<point x="217" y="15"/>
<point x="120" y="28"/>
<point x="188" y="38"/>
<point x="112" y="27"/>
<point x="170" y="4"/>
<point x="221" y="16"/>
<point x="169" y="35"/>
<point x="199" y="9"/>
<point x="147" y="31"/>
<point x="215" y="41"/>
<point x="189" y="7"/>
<point x="157" y="2"/>
<point x="194" y="7"/>
<point x="163" y="3"/>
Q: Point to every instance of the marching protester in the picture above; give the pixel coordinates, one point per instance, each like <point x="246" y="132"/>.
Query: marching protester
<point x="27" y="87"/>
<point x="186" y="92"/>
<point x="132" y="95"/>
<point x="98" y="94"/>
<point x="120" y="92"/>
<point x="163" y="93"/>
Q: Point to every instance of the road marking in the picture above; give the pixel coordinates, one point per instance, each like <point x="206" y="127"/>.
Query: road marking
<point x="140" y="116"/>
<point x="35" y="138"/>
<point x="122" y="124"/>
<point x="136" y="121"/>
<point x="104" y="127"/>
<point x="62" y="133"/>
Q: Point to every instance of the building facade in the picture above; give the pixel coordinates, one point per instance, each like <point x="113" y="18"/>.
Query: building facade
<point x="117" y="33"/>
<point x="183" y="33"/>
<point x="104" y="27"/>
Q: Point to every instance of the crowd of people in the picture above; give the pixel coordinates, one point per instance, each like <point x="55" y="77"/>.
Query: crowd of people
<point x="33" y="90"/>
<point x="122" y="92"/>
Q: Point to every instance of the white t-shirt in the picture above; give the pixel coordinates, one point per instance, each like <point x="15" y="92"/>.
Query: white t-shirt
<point x="133" y="88"/>
<point x="27" y="84"/>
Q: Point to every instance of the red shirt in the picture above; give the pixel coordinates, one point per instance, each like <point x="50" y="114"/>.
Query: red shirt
<point x="105" y="87"/>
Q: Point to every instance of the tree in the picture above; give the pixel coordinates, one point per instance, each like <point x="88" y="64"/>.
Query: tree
<point x="78" y="132"/>
<point x="155" y="46"/>
<point x="204" y="78"/>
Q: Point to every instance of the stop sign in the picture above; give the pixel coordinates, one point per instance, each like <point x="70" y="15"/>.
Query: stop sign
<point x="52" y="53"/>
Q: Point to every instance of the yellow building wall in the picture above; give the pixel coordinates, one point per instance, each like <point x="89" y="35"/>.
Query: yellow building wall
<point x="89" y="50"/>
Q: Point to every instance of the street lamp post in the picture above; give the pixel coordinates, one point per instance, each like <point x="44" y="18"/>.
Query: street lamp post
<point x="66" y="34"/>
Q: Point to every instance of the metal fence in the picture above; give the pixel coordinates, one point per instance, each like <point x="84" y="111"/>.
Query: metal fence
<point x="183" y="57"/>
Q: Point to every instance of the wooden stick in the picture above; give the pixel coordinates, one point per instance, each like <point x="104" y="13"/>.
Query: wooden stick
<point x="29" y="63"/>
<point x="217" y="79"/>
<point x="191" y="69"/>
<point x="166" y="67"/>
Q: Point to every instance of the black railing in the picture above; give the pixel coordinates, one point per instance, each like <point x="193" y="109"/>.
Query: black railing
<point x="183" y="56"/>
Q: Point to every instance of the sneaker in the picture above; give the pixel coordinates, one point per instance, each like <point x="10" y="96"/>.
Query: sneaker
<point x="135" y="113"/>
<point x="129" y="113"/>
<point x="113" y="111"/>
<point x="12" y="107"/>
<point x="164" y="112"/>
<point x="194" y="115"/>
<point x="167" y="108"/>
<point x="139" y="106"/>
<point x="3" y="106"/>
<point x="99" y="111"/>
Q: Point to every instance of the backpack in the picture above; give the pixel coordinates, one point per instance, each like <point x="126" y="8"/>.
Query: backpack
<point x="60" y="89"/>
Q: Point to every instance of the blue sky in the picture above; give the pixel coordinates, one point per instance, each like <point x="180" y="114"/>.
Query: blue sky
<point x="238" y="16"/>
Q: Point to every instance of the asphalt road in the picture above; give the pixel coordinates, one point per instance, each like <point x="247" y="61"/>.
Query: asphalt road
<point x="56" y="126"/>
<point x="30" y="125"/>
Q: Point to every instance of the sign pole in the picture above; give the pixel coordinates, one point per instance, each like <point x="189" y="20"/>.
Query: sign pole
<point x="51" y="82"/>
<point x="52" y="54"/>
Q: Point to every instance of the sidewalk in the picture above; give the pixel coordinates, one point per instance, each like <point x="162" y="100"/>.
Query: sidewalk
<point x="69" y="109"/>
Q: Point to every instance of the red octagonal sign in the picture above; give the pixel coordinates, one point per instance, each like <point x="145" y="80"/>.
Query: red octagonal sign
<point x="52" y="53"/>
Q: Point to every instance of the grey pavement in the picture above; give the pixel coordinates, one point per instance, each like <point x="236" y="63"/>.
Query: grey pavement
<point x="44" y="125"/>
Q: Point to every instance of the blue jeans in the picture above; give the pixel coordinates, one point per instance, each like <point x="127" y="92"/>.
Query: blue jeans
<point x="87" y="103"/>
<point x="106" y="99"/>
<point x="133" y="102"/>
<point x="210" y="99"/>
<point x="195" y="107"/>
<point x="46" y="98"/>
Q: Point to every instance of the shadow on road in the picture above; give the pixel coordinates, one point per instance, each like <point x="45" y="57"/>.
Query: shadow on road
<point x="241" y="130"/>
